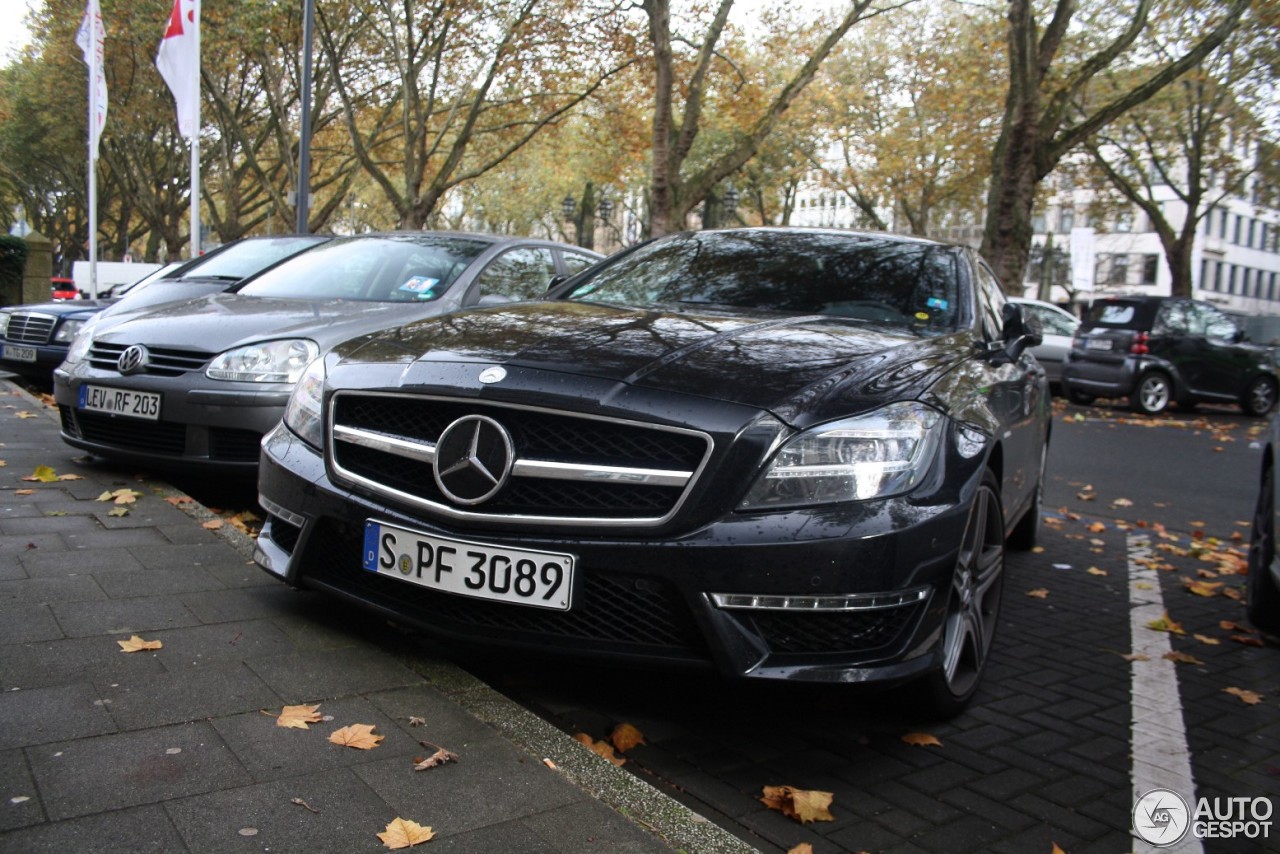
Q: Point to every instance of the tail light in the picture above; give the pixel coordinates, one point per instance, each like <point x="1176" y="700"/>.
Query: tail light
<point x="1139" y="346"/>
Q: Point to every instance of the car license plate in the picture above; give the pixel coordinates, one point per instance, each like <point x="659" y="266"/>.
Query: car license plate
<point x="18" y="354"/>
<point x="502" y="574"/>
<point x="120" y="401"/>
<point x="1098" y="344"/>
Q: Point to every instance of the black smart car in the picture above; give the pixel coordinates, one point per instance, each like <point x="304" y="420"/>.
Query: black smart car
<point x="786" y="454"/>
<point x="1158" y="350"/>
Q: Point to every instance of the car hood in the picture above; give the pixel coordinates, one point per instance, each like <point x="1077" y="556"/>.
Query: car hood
<point x="222" y="321"/>
<point x="69" y="308"/>
<point x="796" y="367"/>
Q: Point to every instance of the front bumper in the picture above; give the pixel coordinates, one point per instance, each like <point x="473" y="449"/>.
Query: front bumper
<point x="201" y="427"/>
<point x="648" y="597"/>
<point x="47" y="358"/>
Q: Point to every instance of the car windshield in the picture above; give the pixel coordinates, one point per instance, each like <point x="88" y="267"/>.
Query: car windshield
<point x="863" y="277"/>
<point x="247" y="257"/>
<point x="408" y="268"/>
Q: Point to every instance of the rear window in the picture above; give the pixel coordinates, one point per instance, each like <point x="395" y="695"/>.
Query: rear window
<point x="1121" y="314"/>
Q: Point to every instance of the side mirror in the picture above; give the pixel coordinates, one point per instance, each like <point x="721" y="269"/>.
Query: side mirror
<point x="555" y="281"/>
<point x="1020" y="331"/>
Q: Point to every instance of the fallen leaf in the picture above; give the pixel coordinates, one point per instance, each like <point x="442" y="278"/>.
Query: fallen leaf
<point x="414" y="720"/>
<point x="1205" y="639"/>
<point x="175" y="500"/>
<point x="1196" y="524"/>
<point x="1057" y="849"/>
<point x="1086" y="496"/>
<point x="921" y="739"/>
<point x="359" y="736"/>
<point x="212" y="525"/>
<point x="24" y="491"/>
<point x="121" y="496"/>
<point x="402" y="833"/>
<point x="1122" y="502"/>
<point x="550" y="764"/>
<point x="1135" y="656"/>
<point x="42" y="474"/>
<point x="1038" y="593"/>
<point x="297" y="717"/>
<point x="118" y="511"/>
<point x="1093" y="570"/>
<point x="27" y="414"/>
<point x="300" y="802"/>
<point x="137" y="644"/>
<point x="1228" y="626"/>
<point x="800" y="804"/>
<point x="1202" y="588"/>
<point x="1181" y="658"/>
<point x="70" y="477"/>
<point x="1165" y="624"/>
<point x="1247" y="640"/>
<point x="440" y="757"/>
<point x="625" y="736"/>
<point x="802" y="848"/>
<point x="1097" y="528"/>
<point x="1253" y="698"/>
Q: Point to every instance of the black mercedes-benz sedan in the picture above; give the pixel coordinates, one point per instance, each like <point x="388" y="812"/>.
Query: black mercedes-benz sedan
<point x="786" y="454"/>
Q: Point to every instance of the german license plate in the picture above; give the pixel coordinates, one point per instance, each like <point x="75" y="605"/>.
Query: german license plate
<point x="119" y="401"/>
<point x="18" y="354"/>
<point x="479" y="570"/>
<point x="1098" y="344"/>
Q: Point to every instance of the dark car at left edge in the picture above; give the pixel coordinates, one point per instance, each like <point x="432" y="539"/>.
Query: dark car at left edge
<point x="778" y="454"/>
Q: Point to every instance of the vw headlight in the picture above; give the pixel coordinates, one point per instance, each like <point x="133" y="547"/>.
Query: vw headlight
<point x="875" y="455"/>
<point x="304" y="414"/>
<point x="80" y="344"/>
<point x="265" y="362"/>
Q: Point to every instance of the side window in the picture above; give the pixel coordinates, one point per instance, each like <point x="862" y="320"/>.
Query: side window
<point x="518" y="274"/>
<point x="1177" y="318"/>
<point x="990" y="301"/>
<point x="1218" y="325"/>
<point x="575" y="263"/>
<point x="1050" y="321"/>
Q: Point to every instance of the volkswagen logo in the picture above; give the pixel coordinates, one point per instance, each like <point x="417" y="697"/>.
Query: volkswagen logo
<point x="473" y="459"/>
<point x="133" y="360"/>
<point x="493" y="374"/>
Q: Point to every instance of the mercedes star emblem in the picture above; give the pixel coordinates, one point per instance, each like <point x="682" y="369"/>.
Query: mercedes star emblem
<point x="473" y="459"/>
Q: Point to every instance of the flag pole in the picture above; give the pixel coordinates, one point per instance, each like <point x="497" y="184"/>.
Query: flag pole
<point x="195" y="151"/>
<point x="94" y="70"/>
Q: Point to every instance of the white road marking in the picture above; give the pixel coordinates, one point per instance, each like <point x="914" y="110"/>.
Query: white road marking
<point x="1158" y="736"/>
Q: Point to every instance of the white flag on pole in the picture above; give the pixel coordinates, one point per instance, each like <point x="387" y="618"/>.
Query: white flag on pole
<point x="90" y="38"/>
<point x="179" y="63"/>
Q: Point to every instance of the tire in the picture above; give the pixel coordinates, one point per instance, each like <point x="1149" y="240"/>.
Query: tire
<point x="1260" y="397"/>
<point x="1024" y="534"/>
<point x="973" y="607"/>
<point x="1262" y="599"/>
<point x="1079" y="397"/>
<point x="1152" y="394"/>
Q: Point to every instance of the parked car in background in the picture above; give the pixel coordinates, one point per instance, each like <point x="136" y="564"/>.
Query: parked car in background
<point x="34" y="338"/>
<point x="62" y="288"/>
<point x="1263" y="590"/>
<point x="1057" y="328"/>
<point x="196" y="384"/>
<point x="1161" y="350"/>
<point x="786" y="454"/>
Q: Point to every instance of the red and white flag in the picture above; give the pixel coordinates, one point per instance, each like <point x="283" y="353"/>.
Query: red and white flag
<point x="179" y="63"/>
<point x="91" y="37"/>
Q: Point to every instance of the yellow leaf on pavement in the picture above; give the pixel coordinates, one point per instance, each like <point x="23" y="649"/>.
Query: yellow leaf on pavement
<point x="1165" y="624"/>
<point x="922" y="739"/>
<point x="1253" y="698"/>
<point x="137" y="644"/>
<point x="1202" y="588"/>
<point x="1181" y="658"/>
<point x="625" y="736"/>
<point x="1205" y="639"/>
<point x="803" y="805"/>
<point x="27" y="414"/>
<point x="118" y="511"/>
<point x="42" y="474"/>
<point x="402" y="833"/>
<point x="297" y="717"/>
<point x="359" y="736"/>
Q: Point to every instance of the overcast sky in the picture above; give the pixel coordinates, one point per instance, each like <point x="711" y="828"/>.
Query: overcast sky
<point x="13" y="32"/>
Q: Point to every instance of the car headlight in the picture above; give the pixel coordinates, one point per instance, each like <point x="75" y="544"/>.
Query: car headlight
<point x="304" y="414"/>
<point x="875" y="455"/>
<point x="67" y="331"/>
<point x="266" y="362"/>
<point x="80" y="343"/>
<point x="4" y="323"/>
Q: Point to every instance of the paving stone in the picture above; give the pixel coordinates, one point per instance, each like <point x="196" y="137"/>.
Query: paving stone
<point x="186" y="695"/>
<point x="19" y="800"/>
<point x="512" y="784"/>
<point x="157" y="582"/>
<point x="141" y="830"/>
<point x="444" y="722"/>
<point x="196" y="646"/>
<point x="112" y="772"/>
<point x="242" y="575"/>
<point x="169" y="555"/>
<point x="272" y="752"/>
<point x="582" y="826"/>
<point x="219" y="606"/>
<point x="122" y="616"/>
<point x="26" y="525"/>
<point x="71" y="660"/>
<point x="56" y="713"/>
<point x="71" y="589"/>
<point x="45" y="562"/>
<point x="23" y="622"/>
<point x="102" y="539"/>
<point x="347" y="816"/>
<point x="323" y="674"/>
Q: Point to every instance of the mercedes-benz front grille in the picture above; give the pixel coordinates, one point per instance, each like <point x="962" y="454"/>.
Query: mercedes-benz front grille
<point x="161" y="361"/>
<point x="545" y="465"/>
<point x="30" y="327"/>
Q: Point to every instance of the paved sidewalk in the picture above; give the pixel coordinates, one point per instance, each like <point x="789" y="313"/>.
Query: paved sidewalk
<point x="177" y="749"/>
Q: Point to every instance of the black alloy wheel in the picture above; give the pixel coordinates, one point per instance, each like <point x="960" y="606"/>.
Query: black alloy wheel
<point x="973" y="607"/>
